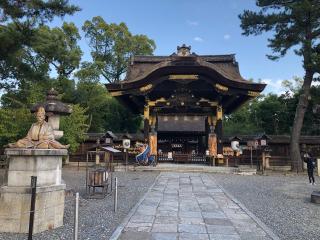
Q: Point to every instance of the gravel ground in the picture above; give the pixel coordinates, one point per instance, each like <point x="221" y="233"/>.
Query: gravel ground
<point x="281" y="202"/>
<point x="96" y="217"/>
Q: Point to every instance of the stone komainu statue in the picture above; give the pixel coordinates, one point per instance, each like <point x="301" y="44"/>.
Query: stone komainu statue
<point x="40" y="135"/>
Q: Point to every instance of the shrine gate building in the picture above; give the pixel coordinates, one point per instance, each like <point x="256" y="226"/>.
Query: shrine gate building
<point x="183" y="98"/>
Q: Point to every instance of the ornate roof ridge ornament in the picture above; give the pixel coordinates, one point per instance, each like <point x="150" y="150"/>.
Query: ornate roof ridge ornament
<point x="184" y="50"/>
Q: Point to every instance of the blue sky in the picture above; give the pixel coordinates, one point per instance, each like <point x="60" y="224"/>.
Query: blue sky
<point x="209" y="26"/>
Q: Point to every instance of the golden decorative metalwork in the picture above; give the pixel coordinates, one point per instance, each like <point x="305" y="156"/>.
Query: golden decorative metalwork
<point x="212" y="120"/>
<point x="152" y="120"/>
<point x="219" y="112"/>
<point x="145" y="88"/>
<point x="153" y="103"/>
<point x="146" y="112"/>
<point x="117" y="93"/>
<point x="221" y="87"/>
<point x="184" y="77"/>
<point x="213" y="104"/>
<point x="253" y="94"/>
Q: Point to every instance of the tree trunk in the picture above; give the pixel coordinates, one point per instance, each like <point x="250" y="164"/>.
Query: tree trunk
<point x="295" y="156"/>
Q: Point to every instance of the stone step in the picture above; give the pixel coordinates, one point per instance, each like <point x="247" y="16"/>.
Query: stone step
<point x="246" y="171"/>
<point x="178" y="168"/>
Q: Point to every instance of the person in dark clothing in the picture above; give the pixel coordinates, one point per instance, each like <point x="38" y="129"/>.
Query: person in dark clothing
<point x="310" y="166"/>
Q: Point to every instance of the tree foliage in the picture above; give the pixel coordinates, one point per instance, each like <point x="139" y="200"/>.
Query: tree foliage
<point x="18" y="23"/>
<point x="112" y="45"/>
<point x="32" y="12"/>
<point x="58" y="47"/>
<point x="14" y="124"/>
<point x="75" y="126"/>
<point x="105" y="112"/>
<point x="295" y="24"/>
<point x="273" y="114"/>
<point x="53" y="49"/>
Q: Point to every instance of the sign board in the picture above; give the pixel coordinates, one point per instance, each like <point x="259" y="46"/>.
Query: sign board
<point x="256" y="144"/>
<point x="263" y="142"/>
<point x="169" y="155"/>
<point x="126" y="143"/>
<point x="108" y="140"/>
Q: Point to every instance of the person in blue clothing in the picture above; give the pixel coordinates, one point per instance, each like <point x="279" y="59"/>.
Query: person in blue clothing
<point x="310" y="166"/>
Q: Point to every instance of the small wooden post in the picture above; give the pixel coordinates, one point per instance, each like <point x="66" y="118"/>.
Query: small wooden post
<point x="76" y="217"/>
<point x="251" y="157"/>
<point x="33" y="204"/>
<point x="116" y="195"/>
<point x="263" y="160"/>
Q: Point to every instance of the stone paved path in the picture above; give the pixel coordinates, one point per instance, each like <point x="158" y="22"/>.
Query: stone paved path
<point x="190" y="206"/>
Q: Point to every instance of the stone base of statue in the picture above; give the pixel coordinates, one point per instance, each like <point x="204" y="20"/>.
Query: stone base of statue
<point x="315" y="197"/>
<point x="15" y="196"/>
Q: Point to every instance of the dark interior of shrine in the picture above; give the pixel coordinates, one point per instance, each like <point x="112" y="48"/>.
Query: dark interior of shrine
<point x="182" y="142"/>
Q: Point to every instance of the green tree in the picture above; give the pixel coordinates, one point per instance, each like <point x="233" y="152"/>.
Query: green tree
<point x="112" y="45"/>
<point x="59" y="48"/>
<point x="54" y="50"/>
<point x="74" y="126"/>
<point x="104" y="111"/>
<point x="244" y="121"/>
<point x="18" y="22"/>
<point x="294" y="24"/>
<point x="14" y="124"/>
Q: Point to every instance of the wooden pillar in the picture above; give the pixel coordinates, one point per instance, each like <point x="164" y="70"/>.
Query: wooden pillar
<point x="263" y="161"/>
<point x="218" y="130"/>
<point x="212" y="144"/>
<point x="146" y="122"/>
<point x="153" y="143"/>
<point x="153" y="135"/>
<point x="212" y="137"/>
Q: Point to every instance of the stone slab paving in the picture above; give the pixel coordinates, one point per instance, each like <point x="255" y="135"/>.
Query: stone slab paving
<point x="183" y="206"/>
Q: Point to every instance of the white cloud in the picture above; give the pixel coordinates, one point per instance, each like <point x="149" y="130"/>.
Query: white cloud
<point x="198" y="39"/>
<point x="192" y="23"/>
<point x="274" y="86"/>
<point x="226" y="36"/>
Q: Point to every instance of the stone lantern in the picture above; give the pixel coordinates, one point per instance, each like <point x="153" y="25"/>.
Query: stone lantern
<point x="235" y="145"/>
<point x="263" y="141"/>
<point x="54" y="109"/>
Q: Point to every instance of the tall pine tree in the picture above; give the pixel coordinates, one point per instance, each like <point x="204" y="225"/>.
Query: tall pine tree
<point x="295" y="24"/>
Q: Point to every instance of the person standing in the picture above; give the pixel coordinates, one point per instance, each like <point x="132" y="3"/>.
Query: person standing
<point x="310" y="166"/>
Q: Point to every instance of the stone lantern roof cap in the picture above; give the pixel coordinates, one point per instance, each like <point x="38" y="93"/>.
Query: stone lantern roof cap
<point x="53" y="105"/>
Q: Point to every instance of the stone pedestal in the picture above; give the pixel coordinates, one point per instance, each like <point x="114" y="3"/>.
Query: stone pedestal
<point x="315" y="197"/>
<point x="15" y="197"/>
